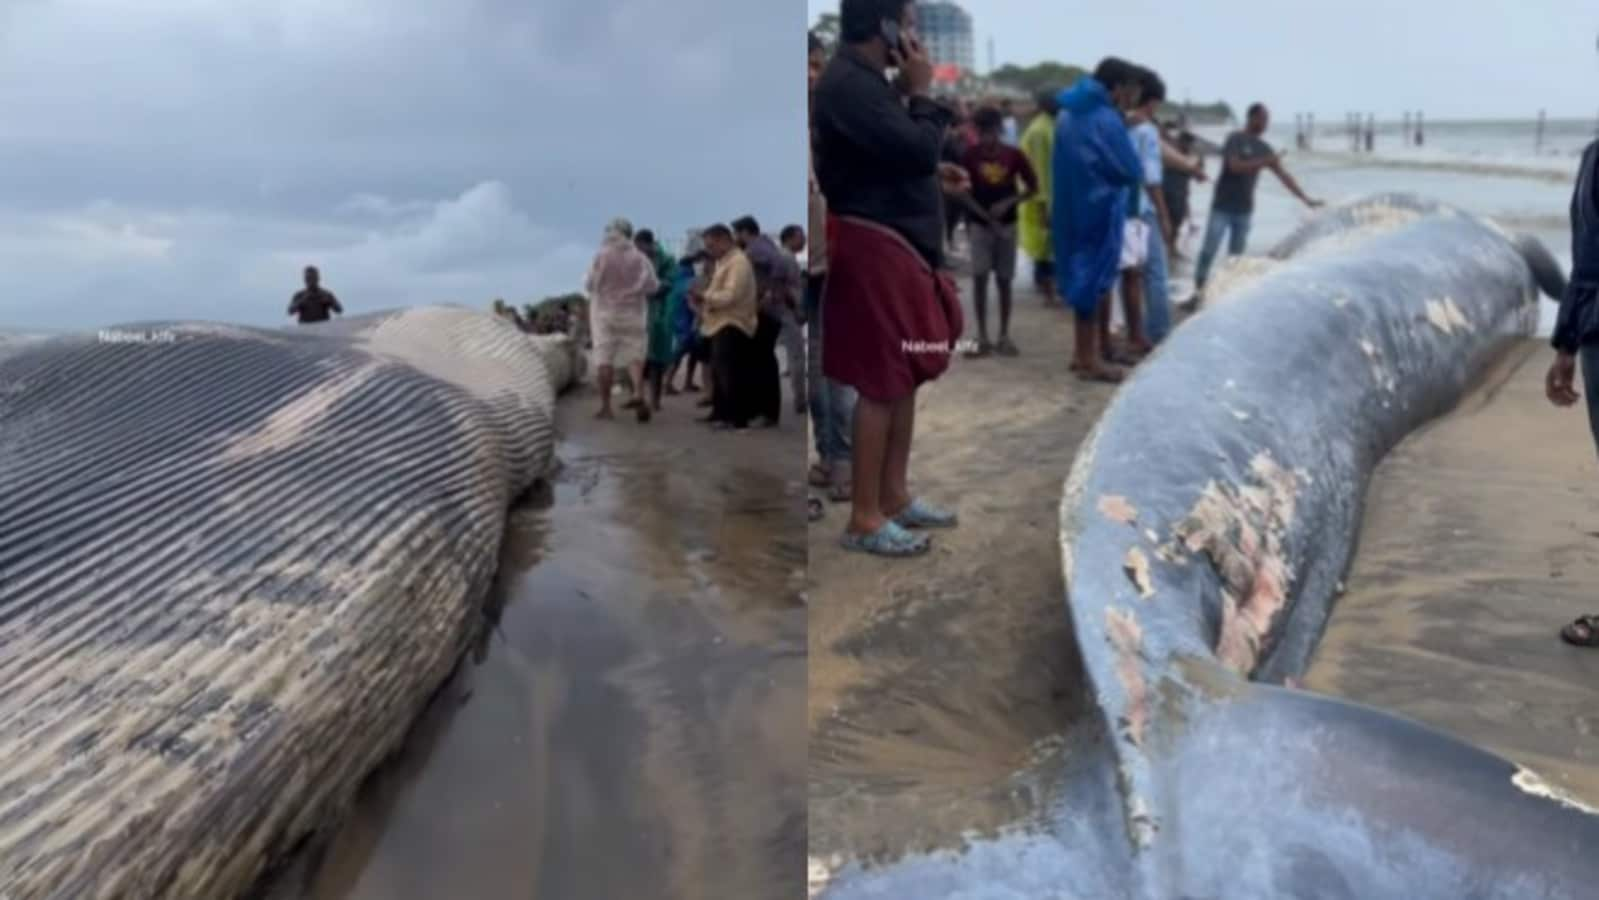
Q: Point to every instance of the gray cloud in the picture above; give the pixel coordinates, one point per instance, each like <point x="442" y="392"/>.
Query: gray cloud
<point x="186" y="159"/>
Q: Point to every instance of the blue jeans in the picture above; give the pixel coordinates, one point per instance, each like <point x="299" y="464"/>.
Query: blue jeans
<point x="1157" y="289"/>
<point x="832" y="403"/>
<point x="1235" y="226"/>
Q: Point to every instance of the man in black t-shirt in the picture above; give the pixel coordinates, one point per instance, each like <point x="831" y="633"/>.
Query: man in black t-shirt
<point x="314" y="303"/>
<point x="1243" y="156"/>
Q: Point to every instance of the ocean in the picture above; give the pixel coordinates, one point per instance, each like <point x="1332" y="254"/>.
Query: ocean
<point x="1496" y="169"/>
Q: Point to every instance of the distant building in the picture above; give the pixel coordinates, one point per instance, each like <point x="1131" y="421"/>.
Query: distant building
<point x="946" y="32"/>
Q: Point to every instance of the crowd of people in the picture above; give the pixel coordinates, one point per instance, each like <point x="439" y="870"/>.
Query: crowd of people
<point x="1094" y="189"/>
<point x="723" y="308"/>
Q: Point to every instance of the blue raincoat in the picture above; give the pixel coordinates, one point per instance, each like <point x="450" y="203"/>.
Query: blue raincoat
<point x="685" y="324"/>
<point x="1094" y="165"/>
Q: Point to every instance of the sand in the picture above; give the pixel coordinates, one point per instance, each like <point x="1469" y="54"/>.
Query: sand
<point x="934" y="680"/>
<point x="632" y="724"/>
<point x="1480" y="540"/>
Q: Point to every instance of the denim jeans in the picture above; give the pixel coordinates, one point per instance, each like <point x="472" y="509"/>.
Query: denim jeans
<point x="792" y="340"/>
<point x="1235" y="226"/>
<point x="832" y="404"/>
<point x="1157" y="289"/>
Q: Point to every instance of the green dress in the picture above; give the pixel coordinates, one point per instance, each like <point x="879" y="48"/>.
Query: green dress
<point x="662" y="341"/>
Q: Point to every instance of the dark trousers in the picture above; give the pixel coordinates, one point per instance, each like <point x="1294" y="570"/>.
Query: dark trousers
<point x="1589" y="357"/>
<point x="767" y="375"/>
<point x="731" y="352"/>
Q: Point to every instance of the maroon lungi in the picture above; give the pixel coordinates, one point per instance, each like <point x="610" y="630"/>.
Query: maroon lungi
<point x="892" y="321"/>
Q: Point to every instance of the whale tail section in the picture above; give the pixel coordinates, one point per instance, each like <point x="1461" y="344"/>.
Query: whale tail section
<point x="1271" y="792"/>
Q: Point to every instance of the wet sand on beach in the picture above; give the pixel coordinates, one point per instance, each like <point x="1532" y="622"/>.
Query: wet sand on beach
<point x="631" y="726"/>
<point x="1481" y="539"/>
<point x="933" y="681"/>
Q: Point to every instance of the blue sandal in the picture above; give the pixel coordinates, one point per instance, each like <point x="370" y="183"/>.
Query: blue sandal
<point x="918" y="514"/>
<point x="890" y="540"/>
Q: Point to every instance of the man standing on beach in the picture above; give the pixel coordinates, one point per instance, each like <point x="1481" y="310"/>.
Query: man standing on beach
<point x="1176" y="180"/>
<point x="877" y="159"/>
<point x="620" y="282"/>
<point x="832" y="403"/>
<point x="1038" y="142"/>
<point x="1159" y="231"/>
<point x="995" y="169"/>
<point x="1095" y="171"/>
<point x="314" y="303"/>
<point x="1243" y="156"/>
<point x="1577" y="333"/>
<point x="662" y="350"/>
<point x="777" y="277"/>
<point x="729" y="317"/>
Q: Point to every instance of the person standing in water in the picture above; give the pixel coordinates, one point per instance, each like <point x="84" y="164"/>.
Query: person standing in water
<point x="315" y="303"/>
<point x="1244" y="155"/>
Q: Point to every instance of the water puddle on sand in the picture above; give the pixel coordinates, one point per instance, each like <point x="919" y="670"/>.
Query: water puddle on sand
<point x="1481" y="538"/>
<point x="633" y="725"/>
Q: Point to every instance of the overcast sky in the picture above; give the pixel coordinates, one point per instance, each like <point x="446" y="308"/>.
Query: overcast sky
<point x="1449" y="58"/>
<point x="185" y="158"/>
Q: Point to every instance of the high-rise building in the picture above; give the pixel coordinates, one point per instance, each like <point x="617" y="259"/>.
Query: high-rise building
<point x="946" y="32"/>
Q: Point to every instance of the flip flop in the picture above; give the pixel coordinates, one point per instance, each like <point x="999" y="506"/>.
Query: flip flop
<point x="982" y="349"/>
<point x="1584" y="632"/>
<point x="1101" y="376"/>
<point x="820" y="476"/>
<point x="920" y="514"/>
<point x="891" y="541"/>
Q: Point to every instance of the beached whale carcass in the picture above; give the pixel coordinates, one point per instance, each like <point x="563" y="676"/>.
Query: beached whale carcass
<point x="1205" y="527"/>
<point x="234" y="565"/>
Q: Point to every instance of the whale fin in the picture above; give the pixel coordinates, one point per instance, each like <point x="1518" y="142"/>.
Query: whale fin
<point x="1545" y="268"/>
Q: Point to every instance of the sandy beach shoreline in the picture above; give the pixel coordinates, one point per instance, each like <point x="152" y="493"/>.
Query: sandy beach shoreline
<point x="936" y="686"/>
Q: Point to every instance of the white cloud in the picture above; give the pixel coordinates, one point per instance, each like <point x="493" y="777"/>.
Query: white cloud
<point x="133" y="264"/>
<point x="184" y="158"/>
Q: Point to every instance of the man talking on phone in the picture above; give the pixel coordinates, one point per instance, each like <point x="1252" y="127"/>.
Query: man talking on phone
<point x="892" y="314"/>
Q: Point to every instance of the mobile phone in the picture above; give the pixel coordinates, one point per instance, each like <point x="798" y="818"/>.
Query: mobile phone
<point x="892" y="36"/>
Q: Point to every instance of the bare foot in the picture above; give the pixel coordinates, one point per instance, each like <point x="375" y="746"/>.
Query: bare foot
<point x="605" y="414"/>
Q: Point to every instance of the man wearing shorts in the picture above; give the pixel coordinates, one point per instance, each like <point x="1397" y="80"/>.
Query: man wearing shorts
<point x="620" y="283"/>
<point x="994" y="168"/>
